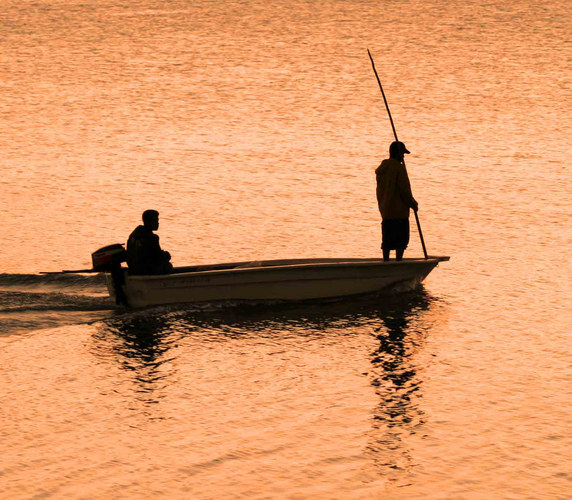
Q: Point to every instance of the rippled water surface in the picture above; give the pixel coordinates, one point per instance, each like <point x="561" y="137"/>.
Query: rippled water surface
<point x="255" y="128"/>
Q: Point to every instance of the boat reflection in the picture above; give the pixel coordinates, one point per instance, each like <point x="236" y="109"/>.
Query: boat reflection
<point x="152" y="346"/>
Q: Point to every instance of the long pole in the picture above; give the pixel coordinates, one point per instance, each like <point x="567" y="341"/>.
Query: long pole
<point x="395" y="134"/>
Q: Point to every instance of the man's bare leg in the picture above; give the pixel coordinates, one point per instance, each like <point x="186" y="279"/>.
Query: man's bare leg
<point x="399" y="253"/>
<point x="385" y="254"/>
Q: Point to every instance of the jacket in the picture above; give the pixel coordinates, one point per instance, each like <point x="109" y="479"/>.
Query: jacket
<point x="394" y="197"/>
<point x="144" y="254"/>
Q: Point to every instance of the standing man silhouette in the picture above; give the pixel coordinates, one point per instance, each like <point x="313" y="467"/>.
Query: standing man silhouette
<point x="394" y="199"/>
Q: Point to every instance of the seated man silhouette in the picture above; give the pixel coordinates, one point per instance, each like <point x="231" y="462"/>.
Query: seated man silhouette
<point x="144" y="254"/>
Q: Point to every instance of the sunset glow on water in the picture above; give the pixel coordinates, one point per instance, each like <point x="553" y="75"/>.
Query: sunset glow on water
<point x="255" y="128"/>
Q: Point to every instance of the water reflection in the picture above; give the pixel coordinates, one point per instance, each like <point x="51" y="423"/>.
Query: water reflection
<point x="397" y="381"/>
<point x="141" y="344"/>
<point x="151" y="346"/>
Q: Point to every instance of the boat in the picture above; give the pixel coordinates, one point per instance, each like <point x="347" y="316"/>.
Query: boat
<point x="270" y="280"/>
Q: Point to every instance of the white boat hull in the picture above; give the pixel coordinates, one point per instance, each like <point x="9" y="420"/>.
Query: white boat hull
<point x="299" y="279"/>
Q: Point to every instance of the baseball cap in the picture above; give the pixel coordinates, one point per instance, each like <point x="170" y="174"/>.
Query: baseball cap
<point x="398" y="146"/>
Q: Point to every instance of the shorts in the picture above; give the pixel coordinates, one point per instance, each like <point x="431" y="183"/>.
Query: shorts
<point x="395" y="234"/>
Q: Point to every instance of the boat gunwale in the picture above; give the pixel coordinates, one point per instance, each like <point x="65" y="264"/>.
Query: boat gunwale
<point x="311" y="263"/>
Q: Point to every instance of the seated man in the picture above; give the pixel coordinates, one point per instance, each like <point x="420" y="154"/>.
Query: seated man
<point x="144" y="254"/>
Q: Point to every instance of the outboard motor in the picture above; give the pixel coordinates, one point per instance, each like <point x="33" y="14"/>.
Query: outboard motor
<point x="109" y="259"/>
<point x="106" y="258"/>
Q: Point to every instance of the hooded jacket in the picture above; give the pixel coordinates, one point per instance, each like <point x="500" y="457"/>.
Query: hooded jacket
<point x="394" y="197"/>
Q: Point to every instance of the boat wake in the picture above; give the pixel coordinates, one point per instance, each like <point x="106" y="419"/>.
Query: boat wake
<point x="94" y="283"/>
<point x="35" y="301"/>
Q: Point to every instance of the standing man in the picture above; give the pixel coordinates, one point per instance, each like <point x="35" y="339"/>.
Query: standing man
<point x="394" y="199"/>
<point x="144" y="254"/>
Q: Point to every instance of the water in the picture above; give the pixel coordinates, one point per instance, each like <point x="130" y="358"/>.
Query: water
<point x="254" y="128"/>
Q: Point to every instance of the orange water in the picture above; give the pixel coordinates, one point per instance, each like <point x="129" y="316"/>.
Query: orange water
<point x="254" y="128"/>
